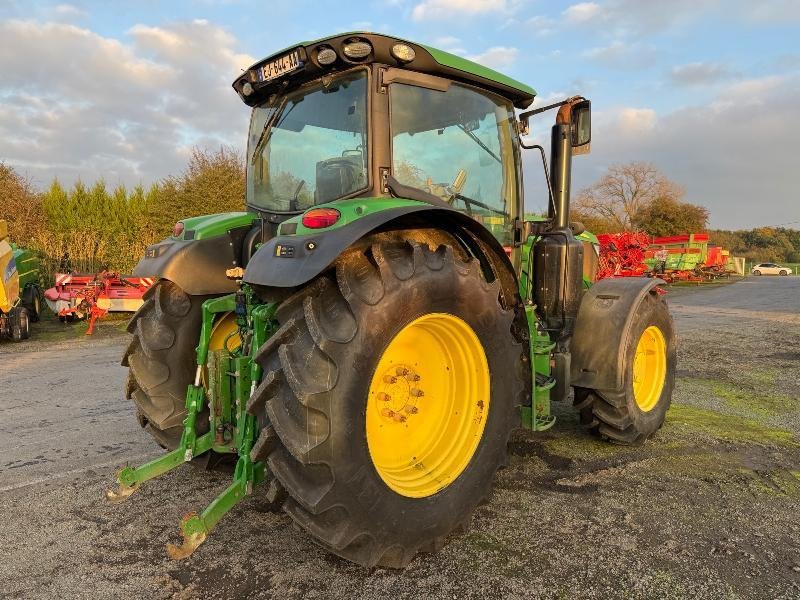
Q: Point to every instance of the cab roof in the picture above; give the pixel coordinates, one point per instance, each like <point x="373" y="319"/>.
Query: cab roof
<point x="427" y="60"/>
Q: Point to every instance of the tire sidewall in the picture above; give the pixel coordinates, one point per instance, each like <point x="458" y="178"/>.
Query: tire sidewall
<point x="652" y="311"/>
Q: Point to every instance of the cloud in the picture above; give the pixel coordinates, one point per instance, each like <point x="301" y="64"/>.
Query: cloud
<point x="636" y="18"/>
<point x="68" y="12"/>
<point x="77" y="104"/>
<point x="443" y="9"/>
<point x="735" y="155"/>
<point x="622" y="55"/>
<point x="496" y="57"/>
<point x="582" y="12"/>
<point x="542" y="25"/>
<point x="699" y="73"/>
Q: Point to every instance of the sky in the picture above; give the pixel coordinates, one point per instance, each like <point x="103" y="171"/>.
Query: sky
<point x="707" y="90"/>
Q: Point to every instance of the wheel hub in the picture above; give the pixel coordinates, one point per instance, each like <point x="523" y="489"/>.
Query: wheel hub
<point x="427" y="405"/>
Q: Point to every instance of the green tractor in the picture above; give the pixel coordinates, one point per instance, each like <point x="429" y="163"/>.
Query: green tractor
<point x="20" y="300"/>
<point x="364" y="339"/>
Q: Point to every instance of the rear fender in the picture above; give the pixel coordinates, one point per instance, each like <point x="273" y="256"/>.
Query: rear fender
<point x="603" y="324"/>
<point x="197" y="260"/>
<point x="288" y="261"/>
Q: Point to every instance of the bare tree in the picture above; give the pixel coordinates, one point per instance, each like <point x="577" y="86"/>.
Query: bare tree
<point x="623" y="192"/>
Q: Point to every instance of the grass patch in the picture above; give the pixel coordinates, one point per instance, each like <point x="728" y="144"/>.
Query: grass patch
<point x="766" y="404"/>
<point x="728" y="427"/>
<point x="582" y="447"/>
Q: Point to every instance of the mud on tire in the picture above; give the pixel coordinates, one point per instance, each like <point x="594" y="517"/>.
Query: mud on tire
<point x="614" y="414"/>
<point x="317" y="372"/>
<point x="161" y="360"/>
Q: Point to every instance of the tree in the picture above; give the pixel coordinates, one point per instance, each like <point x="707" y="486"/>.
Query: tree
<point x="616" y="199"/>
<point x="213" y="182"/>
<point x="667" y="216"/>
<point x="20" y="205"/>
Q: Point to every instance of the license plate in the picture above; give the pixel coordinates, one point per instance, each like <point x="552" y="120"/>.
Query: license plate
<point x="280" y="66"/>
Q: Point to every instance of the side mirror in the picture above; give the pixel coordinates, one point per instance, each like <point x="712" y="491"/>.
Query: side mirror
<point x="581" y="123"/>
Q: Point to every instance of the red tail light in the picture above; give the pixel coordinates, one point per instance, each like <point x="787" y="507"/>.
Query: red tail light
<point x="178" y="229"/>
<point x="318" y="218"/>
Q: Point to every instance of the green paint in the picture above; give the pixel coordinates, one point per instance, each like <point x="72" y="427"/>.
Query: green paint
<point x="537" y="417"/>
<point x="208" y="226"/>
<point x="232" y="429"/>
<point x="467" y="66"/>
<point x="728" y="427"/>
<point x="27" y="266"/>
<point x="354" y="209"/>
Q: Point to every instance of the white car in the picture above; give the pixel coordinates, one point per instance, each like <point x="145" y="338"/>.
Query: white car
<point x="770" y="269"/>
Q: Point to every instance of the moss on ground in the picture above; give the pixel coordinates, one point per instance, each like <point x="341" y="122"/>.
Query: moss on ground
<point x="728" y="427"/>
<point x="582" y="446"/>
<point x="763" y="402"/>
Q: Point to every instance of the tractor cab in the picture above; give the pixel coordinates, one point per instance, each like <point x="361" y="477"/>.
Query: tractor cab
<point x="365" y="115"/>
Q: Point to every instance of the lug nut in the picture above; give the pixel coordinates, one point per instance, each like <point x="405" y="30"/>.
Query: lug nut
<point x="387" y="412"/>
<point x="411" y="409"/>
<point x="401" y="371"/>
<point x="399" y="418"/>
<point x="384" y="396"/>
<point x="413" y="376"/>
<point x="416" y="393"/>
<point x="389" y="379"/>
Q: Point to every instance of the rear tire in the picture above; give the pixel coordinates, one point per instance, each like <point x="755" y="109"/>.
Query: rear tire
<point x="783" y="273"/>
<point x="756" y="272"/>
<point x="161" y="359"/>
<point x="315" y="397"/>
<point x="616" y="414"/>
<point x="32" y="301"/>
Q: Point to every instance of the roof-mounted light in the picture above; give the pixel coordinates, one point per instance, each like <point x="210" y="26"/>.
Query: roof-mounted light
<point x="357" y="49"/>
<point x="326" y="56"/>
<point x="403" y="52"/>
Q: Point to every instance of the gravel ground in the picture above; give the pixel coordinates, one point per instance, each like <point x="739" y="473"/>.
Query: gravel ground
<point x="707" y="509"/>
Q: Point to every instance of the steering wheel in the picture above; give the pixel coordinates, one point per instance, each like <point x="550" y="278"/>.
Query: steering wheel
<point x="451" y="190"/>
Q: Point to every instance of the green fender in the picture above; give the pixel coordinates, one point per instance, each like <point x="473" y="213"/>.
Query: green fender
<point x="299" y="254"/>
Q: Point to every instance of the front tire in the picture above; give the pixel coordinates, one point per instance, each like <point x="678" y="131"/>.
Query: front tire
<point x="636" y="411"/>
<point x="345" y="364"/>
<point x="784" y="273"/>
<point x="756" y="272"/>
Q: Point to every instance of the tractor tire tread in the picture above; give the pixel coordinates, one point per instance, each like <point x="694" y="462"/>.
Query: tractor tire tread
<point x="301" y="365"/>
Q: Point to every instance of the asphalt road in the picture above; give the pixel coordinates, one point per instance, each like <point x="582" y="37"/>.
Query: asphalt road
<point x="709" y="508"/>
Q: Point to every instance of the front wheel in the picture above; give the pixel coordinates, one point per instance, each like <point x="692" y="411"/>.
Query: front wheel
<point x="756" y="272"/>
<point x="636" y="411"/>
<point x="783" y="272"/>
<point x="388" y="396"/>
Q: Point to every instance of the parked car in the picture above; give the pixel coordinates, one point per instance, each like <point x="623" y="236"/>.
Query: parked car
<point x="770" y="269"/>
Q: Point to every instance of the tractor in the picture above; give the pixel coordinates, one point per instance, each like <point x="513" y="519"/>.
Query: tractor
<point x="20" y="300"/>
<point x="364" y="338"/>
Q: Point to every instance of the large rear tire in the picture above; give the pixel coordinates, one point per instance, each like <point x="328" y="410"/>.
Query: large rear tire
<point x="375" y="469"/>
<point x="635" y="412"/>
<point x="161" y="359"/>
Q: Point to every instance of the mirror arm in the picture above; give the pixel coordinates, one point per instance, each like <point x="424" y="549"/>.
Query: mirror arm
<point x="546" y="170"/>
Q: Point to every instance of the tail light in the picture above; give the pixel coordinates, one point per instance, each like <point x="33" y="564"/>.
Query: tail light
<point x="319" y="218"/>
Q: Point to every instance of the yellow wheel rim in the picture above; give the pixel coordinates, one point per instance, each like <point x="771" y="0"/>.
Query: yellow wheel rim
<point x="427" y="405"/>
<point x="223" y="327"/>
<point x="649" y="368"/>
